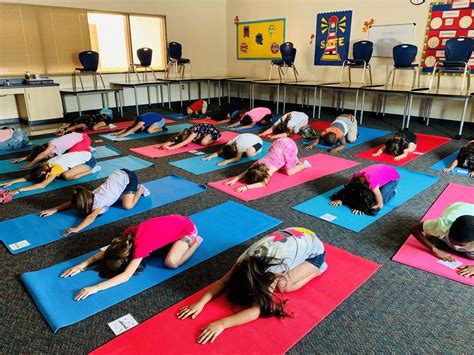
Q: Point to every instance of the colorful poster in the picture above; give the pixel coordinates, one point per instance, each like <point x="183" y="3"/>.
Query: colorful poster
<point x="260" y="39"/>
<point x="333" y="33"/>
<point x="446" y="20"/>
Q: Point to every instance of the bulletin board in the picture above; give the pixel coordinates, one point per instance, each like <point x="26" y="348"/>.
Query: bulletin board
<point x="333" y="34"/>
<point x="446" y="20"/>
<point x="260" y="39"/>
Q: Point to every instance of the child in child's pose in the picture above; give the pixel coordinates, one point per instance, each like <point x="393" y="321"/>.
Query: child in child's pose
<point x="464" y="159"/>
<point x="344" y="128"/>
<point x="260" y="115"/>
<point x="69" y="166"/>
<point x="282" y="155"/>
<point x="72" y="142"/>
<point x="201" y="133"/>
<point x="229" y="112"/>
<point x="11" y="139"/>
<point x="97" y="122"/>
<point x="400" y="145"/>
<point x="196" y="109"/>
<point x="288" y="124"/>
<point x="455" y="228"/>
<point x="283" y="261"/>
<point x="247" y="144"/>
<point x="123" y="258"/>
<point x="368" y="189"/>
<point x="150" y="122"/>
<point x="120" y="185"/>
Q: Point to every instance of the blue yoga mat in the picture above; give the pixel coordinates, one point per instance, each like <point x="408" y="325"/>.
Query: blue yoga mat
<point x="176" y="128"/>
<point x="446" y="162"/>
<point x="176" y="116"/>
<point x="27" y="148"/>
<point x="222" y="227"/>
<point x="256" y="127"/>
<point x="104" y="151"/>
<point x="411" y="184"/>
<point x="17" y="236"/>
<point x="108" y="166"/>
<point x="365" y="135"/>
<point x="196" y="166"/>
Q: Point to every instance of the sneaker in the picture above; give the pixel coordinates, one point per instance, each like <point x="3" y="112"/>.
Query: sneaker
<point x="307" y="164"/>
<point x="145" y="190"/>
<point x="323" y="267"/>
<point x="96" y="169"/>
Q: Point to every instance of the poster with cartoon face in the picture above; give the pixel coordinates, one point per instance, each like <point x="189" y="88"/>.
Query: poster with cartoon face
<point x="260" y="39"/>
<point x="333" y="31"/>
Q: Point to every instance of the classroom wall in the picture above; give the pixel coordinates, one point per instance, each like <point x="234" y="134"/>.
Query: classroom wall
<point x="301" y="23"/>
<point x="200" y="26"/>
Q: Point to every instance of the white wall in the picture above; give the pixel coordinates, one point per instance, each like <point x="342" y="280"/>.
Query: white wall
<point x="301" y="23"/>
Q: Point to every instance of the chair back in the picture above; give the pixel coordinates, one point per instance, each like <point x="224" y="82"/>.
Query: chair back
<point x="286" y="51"/>
<point x="459" y="49"/>
<point x="404" y="55"/>
<point x="362" y="51"/>
<point x="144" y="56"/>
<point x="174" y="50"/>
<point x="89" y="60"/>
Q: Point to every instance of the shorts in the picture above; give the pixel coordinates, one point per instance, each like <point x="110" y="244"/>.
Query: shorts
<point x="351" y="124"/>
<point x="317" y="261"/>
<point x="82" y="146"/>
<point x="151" y="118"/>
<point x="159" y="124"/>
<point x="256" y="146"/>
<point x="132" y="186"/>
<point x="91" y="163"/>
<point x="190" y="239"/>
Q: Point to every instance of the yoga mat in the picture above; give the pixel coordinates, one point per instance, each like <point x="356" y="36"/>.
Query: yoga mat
<point x="365" y="135"/>
<point x="152" y="151"/>
<point x="414" y="254"/>
<point x="256" y="127"/>
<point x="425" y="143"/>
<point x="26" y="148"/>
<point x="206" y="120"/>
<point x="222" y="227"/>
<point x="176" y="116"/>
<point x="197" y="166"/>
<point x="322" y="165"/>
<point x="108" y="166"/>
<point x="411" y="184"/>
<point x="446" y="162"/>
<point x="312" y="303"/>
<point x="171" y="129"/>
<point x="15" y="232"/>
<point x="118" y="126"/>
<point x="104" y="151"/>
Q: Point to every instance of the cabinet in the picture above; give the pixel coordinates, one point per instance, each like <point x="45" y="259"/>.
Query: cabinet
<point x="39" y="103"/>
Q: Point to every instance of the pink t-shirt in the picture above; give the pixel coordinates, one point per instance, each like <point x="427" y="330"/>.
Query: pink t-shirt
<point x="64" y="143"/>
<point x="5" y="134"/>
<point x="258" y="113"/>
<point x="378" y="175"/>
<point x="155" y="233"/>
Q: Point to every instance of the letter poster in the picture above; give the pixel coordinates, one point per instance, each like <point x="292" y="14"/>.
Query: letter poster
<point x="333" y="33"/>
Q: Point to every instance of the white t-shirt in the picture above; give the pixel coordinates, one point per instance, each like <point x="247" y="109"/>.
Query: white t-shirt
<point x="245" y="141"/>
<point x="298" y="119"/>
<point x="110" y="191"/>
<point x="292" y="246"/>
<point x="70" y="160"/>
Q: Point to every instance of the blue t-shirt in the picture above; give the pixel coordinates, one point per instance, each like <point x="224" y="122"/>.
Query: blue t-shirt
<point x="151" y="118"/>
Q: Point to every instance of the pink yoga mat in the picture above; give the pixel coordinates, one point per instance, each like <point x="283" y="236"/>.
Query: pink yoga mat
<point x="165" y="334"/>
<point x="425" y="143"/>
<point x="119" y="125"/>
<point x="206" y="120"/>
<point x="322" y="165"/>
<point x="413" y="254"/>
<point x="152" y="151"/>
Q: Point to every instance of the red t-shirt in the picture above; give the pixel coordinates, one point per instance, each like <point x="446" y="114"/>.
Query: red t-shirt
<point x="196" y="106"/>
<point x="155" y="233"/>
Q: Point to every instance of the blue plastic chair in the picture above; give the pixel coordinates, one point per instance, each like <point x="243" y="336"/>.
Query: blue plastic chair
<point x="288" y="55"/>
<point x="361" y="53"/>
<point x="403" y="57"/>
<point x="90" y="63"/>
<point x="175" y="59"/>
<point x="145" y="56"/>
<point x="458" y="51"/>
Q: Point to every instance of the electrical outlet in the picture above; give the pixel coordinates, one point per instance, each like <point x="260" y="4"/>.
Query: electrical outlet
<point x="182" y="87"/>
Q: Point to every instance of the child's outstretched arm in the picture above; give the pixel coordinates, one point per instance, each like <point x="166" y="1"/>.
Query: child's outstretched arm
<point x="181" y="144"/>
<point x="14" y="181"/>
<point x="411" y="148"/>
<point x="38" y="186"/>
<point x="313" y="143"/>
<point x="378" y="199"/>
<point x="233" y="180"/>
<point x="247" y="126"/>
<point x="135" y="126"/>
<point x="451" y="167"/>
<point x="51" y="211"/>
<point x="212" y="156"/>
<point x="87" y="221"/>
<point x="41" y="156"/>
<point x="341" y="146"/>
<point x="379" y="151"/>
<point x="231" y="160"/>
<point x="80" y="267"/>
<point x="419" y="234"/>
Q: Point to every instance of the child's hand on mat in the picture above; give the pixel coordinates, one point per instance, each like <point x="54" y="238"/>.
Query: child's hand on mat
<point x="26" y="166"/>
<point x="333" y="151"/>
<point x="230" y="182"/>
<point x="471" y="174"/>
<point x="47" y="213"/>
<point x="335" y="203"/>
<point x="86" y="292"/>
<point x="207" y="158"/>
<point x="357" y="212"/>
<point x="70" y="231"/>
<point x="191" y="310"/>
<point x="222" y="163"/>
<point x="309" y="146"/>
<point x="242" y="188"/>
<point x="210" y="332"/>
<point x="397" y="158"/>
<point x="442" y="255"/>
<point x="447" y="170"/>
<point x="6" y="184"/>
<point x="73" y="271"/>
<point x="377" y="154"/>
<point x="466" y="270"/>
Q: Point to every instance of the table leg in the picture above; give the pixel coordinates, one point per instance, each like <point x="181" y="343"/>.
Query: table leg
<point x="278" y="99"/>
<point x="79" y="104"/>
<point x="63" y="100"/>
<point x="320" y="102"/>
<point x="284" y="99"/>
<point x="361" y="119"/>
<point x="461" y="124"/>
<point x="228" y="92"/>
<point x="356" y="102"/>
<point x="410" y="104"/>
<point x="405" y="111"/>
<point x="136" y="100"/>
<point x="169" y="95"/>
<point x="314" y="100"/>
<point x="148" y="94"/>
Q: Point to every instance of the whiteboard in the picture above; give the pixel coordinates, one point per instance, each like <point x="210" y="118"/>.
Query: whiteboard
<point x="385" y="37"/>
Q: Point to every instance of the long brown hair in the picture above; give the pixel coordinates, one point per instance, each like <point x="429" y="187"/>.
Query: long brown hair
<point x="40" y="172"/>
<point x="258" y="172"/>
<point x="36" y="150"/>
<point x="282" y="127"/>
<point x="82" y="200"/>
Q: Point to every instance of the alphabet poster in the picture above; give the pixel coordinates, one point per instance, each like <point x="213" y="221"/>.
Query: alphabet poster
<point x="260" y="39"/>
<point x="333" y="33"/>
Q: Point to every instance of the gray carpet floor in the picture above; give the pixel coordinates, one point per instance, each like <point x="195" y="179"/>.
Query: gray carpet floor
<point x="398" y="310"/>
